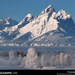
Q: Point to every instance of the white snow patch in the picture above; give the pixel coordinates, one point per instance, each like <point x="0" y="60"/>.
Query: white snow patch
<point x="59" y="68"/>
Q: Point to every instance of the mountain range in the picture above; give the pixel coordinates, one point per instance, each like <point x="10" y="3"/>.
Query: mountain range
<point x="48" y="29"/>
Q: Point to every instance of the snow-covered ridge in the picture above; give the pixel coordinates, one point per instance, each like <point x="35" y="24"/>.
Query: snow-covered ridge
<point x="15" y="28"/>
<point x="62" y="15"/>
<point x="8" y="22"/>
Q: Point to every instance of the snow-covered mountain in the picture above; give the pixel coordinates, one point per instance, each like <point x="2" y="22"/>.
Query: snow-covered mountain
<point x="8" y="22"/>
<point x="5" y="24"/>
<point x="49" y="28"/>
<point x="11" y="32"/>
<point x="25" y="21"/>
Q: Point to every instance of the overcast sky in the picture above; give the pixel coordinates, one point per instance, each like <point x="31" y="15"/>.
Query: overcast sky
<point x="18" y="9"/>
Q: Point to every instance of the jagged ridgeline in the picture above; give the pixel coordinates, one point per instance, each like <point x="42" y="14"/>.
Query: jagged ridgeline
<point x="47" y="29"/>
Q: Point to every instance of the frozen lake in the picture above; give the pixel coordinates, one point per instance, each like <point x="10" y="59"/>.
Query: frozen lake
<point x="43" y="48"/>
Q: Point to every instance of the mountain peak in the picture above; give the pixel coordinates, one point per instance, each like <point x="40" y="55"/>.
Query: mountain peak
<point x="1" y="20"/>
<point x="62" y="15"/>
<point x="29" y="15"/>
<point x="50" y="6"/>
<point x="62" y="10"/>
<point x="49" y="9"/>
<point x="26" y="20"/>
<point x="10" y="21"/>
<point x="8" y="18"/>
